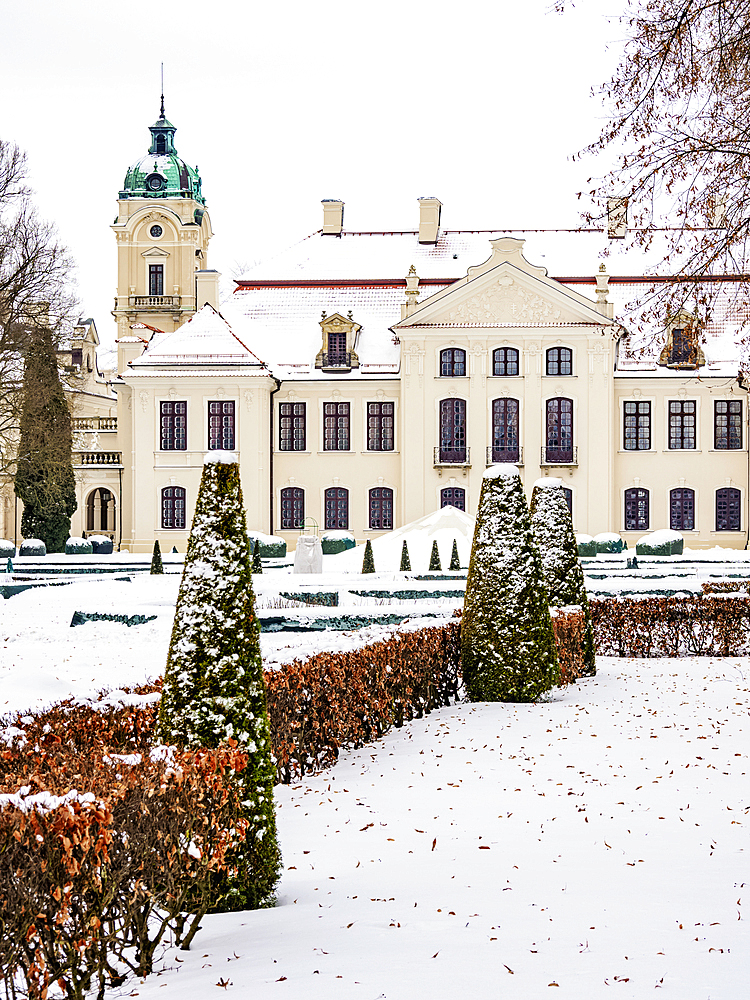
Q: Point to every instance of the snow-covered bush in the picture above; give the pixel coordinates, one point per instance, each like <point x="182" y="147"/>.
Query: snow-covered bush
<point x="405" y="564"/>
<point x="586" y="545"/>
<point x="434" y="558"/>
<point x="336" y="541"/>
<point x="101" y="544"/>
<point x="609" y="542"/>
<point x="214" y="689"/>
<point x="157" y="566"/>
<point x="507" y="641"/>
<point x="455" y="561"/>
<point x="660" y="543"/>
<point x="32" y="547"/>
<point x="552" y="528"/>
<point x="257" y="566"/>
<point x="368" y="560"/>
<point x="78" y="547"/>
<point x="271" y="546"/>
<point x="7" y="549"/>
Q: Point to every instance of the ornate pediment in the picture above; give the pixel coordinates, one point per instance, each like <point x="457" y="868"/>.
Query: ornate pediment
<point x="505" y="301"/>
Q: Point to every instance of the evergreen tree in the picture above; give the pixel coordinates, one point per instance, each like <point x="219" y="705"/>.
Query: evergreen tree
<point x="508" y="650"/>
<point x="405" y="561"/>
<point x="257" y="564"/>
<point x="455" y="561"/>
<point x="552" y="527"/>
<point x="435" y="557"/>
<point x="213" y="684"/>
<point x="368" y="563"/>
<point x="44" y="478"/>
<point x="156" y="563"/>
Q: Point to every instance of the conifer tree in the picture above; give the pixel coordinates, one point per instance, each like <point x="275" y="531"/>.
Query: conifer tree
<point x="552" y="527"/>
<point x="508" y="650"/>
<point x="156" y="564"/>
<point x="368" y="563"/>
<point x="405" y="561"/>
<point x="455" y="561"/>
<point x="214" y="688"/>
<point x="435" y="556"/>
<point x="44" y="478"/>
<point x="257" y="564"/>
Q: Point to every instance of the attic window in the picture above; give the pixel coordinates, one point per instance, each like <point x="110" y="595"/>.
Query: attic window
<point x="76" y="357"/>
<point x="682" y="349"/>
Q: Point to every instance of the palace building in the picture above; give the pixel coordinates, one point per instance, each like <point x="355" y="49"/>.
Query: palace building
<point x="367" y="378"/>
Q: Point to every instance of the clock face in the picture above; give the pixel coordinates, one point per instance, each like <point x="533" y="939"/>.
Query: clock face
<point x="156" y="231"/>
<point x="155" y="182"/>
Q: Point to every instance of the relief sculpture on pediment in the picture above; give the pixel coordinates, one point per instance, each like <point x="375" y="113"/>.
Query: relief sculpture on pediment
<point x="505" y="302"/>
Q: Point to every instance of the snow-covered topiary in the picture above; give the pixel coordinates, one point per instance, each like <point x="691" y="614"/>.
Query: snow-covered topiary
<point x="609" y="542"/>
<point x="101" y="544"/>
<point x="405" y="561"/>
<point x="7" y="549"/>
<point x="508" y="650"/>
<point x="552" y="528"/>
<point x="435" y="557"/>
<point x="455" y="561"/>
<point x="586" y="545"/>
<point x="78" y="547"/>
<point x="665" y="542"/>
<point x="214" y="688"/>
<point x="157" y="566"/>
<point x="368" y="562"/>
<point x="336" y="540"/>
<point x="32" y="547"/>
<point x="271" y="546"/>
<point x="257" y="564"/>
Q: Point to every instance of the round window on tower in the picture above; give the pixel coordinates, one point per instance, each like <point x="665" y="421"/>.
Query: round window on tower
<point x="155" y="182"/>
<point x="156" y="232"/>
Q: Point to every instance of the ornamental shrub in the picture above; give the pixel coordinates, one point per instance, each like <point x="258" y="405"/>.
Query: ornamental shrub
<point x="586" y="546"/>
<point x="7" y="549"/>
<point x="552" y="528"/>
<point x="156" y="564"/>
<point x="101" y="544"/>
<point x="257" y="564"/>
<point x="608" y="542"/>
<point x="368" y="563"/>
<point x="455" y="561"/>
<point x="214" y="689"/>
<point x="507" y="640"/>
<point x="435" y="557"/>
<point x="660" y="543"/>
<point x="78" y="547"/>
<point x="32" y="547"/>
<point x="405" y="561"/>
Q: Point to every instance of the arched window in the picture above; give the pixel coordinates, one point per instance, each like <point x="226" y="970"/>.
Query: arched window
<point x="505" y="430"/>
<point x="453" y="496"/>
<point x="100" y="511"/>
<point x="505" y="361"/>
<point x="381" y="508"/>
<point x="682" y="510"/>
<point x="453" y="431"/>
<point x="568" y="494"/>
<point x="728" y="509"/>
<point x="161" y="142"/>
<point x="636" y="509"/>
<point x="337" y="508"/>
<point x="559" y="361"/>
<point x="559" y="430"/>
<point x="173" y="507"/>
<point x="453" y="361"/>
<point x="292" y="507"/>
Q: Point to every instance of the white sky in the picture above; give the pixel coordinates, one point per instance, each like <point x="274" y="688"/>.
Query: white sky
<point x="280" y="106"/>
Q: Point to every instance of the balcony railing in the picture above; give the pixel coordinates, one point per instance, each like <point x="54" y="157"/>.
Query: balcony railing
<point x="97" y="458"/>
<point x="452" y="456"/>
<point x="559" y="456"/>
<point x="330" y="360"/>
<point x="512" y="455"/>
<point x="93" y="423"/>
<point x="155" y="301"/>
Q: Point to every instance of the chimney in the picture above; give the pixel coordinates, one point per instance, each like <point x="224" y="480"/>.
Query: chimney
<point x="603" y="305"/>
<point x="429" y="219"/>
<point x="207" y="289"/>
<point x="333" y="216"/>
<point x="412" y="293"/>
<point x="617" y="218"/>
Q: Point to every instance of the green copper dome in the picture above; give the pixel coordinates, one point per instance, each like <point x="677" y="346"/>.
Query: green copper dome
<point x="161" y="173"/>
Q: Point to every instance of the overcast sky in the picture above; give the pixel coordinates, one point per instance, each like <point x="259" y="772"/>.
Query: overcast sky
<point x="281" y="105"/>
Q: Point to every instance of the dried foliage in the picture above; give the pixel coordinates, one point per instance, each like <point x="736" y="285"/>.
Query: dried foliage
<point x="672" y="626"/>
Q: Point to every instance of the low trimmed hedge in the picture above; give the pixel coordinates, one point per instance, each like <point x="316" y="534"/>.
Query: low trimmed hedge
<point x="7" y="549"/>
<point x="32" y="547"/>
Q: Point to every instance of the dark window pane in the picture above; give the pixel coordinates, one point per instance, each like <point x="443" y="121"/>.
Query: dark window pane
<point x="636" y="510"/>
<point x="173" y="507"/>
<point x="453" y="497"/>
<point x="728" y="516"/>
<point x="381" y="508"/>
<point x="559" y="361"/>
<point x="453" y="362"/>
<point x="173" y="426"/>
<point x="452" y="430"/>
<point x="728" y="424"/>
<point x="505" y="430"/>
<point x="568" y="494"/>
<point x="155" y="279"/>
<point x="682" y="424"/>
<point x="336" y="508"/>
<point x="559" y="429"/>
<point x="292" y="426"/>
<point x="335" y="427"/>
<point x="682" y="510"/>
<point x="221" y="426"/>
<point x="292" y="507"/>
<point x="380" y="426"/>
<point x="505" y="361"/>
<point x="637" y="426"/>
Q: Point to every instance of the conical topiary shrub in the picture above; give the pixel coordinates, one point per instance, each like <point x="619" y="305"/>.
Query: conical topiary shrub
<point x="435" y="557"/>
<point x="508" y="650"/>
<point x="552" y="527"/>
<point x="368" y="563"/>
<point x="405" y="561"/>
<point x="214" y="688"/>
<point x="156" y="564"/>
<point x="257" y="564"/>
<point x="455" y="561"/>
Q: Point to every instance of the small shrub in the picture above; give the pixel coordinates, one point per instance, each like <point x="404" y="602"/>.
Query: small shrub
<point x="435" y="558"/>
<point x="78" y="547"/>
<point x="608" y="543"/>
<point x="586" y="546"/>
<point x="7" y="549"/>
<point x="32" y="547"/>
<point x="368" y="562"/>
<point x="157" y="566"/>
<point x="257" y="566"/>
<point x="271" y="546"/>
<point x="660" y="543"/>
<point x="101" y="544"/>
<point x="405" y="566"/>
<point x="455" y="563"/>
<point x="333" y="542"/>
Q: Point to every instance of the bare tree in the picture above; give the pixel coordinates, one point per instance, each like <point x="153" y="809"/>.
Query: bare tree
<point x="678" y="125"/>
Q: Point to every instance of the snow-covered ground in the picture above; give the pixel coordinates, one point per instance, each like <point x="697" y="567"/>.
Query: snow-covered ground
<point x="595" y="844"/>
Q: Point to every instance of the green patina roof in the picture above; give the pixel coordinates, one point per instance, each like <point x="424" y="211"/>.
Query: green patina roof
<point x="161" y="173"/>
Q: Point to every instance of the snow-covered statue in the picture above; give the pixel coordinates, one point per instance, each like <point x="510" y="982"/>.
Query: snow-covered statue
<point x="309" y="555"/>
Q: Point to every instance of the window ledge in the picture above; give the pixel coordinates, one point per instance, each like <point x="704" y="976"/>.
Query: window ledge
<point x="673" y="451"/>
<point x="279" y="452"/>
<point x="559" y="376"/>
<point x="730" y="531"/>
<point x="638" y="451"/>
<point x="441" y="378"/>
<point x="373" y="452"/>
<point x="341" y="451"/>
<point x="724" y="451"/>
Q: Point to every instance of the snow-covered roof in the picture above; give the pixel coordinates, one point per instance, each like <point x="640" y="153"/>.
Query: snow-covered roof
<point x="206" y="339"/>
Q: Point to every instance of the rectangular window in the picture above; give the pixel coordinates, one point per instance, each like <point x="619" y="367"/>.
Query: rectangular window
<point x="728" y="424"/>
<point x="637" y="427"/>
<point x="292" y="507"/>
<point x="221" y="426"/>
<point x="337" y="508"/>
<point x="636" y="510"/>
<point x="173" y="507"/>
<point x="173" y="426"/>
<point x="381" y="508"/>
<point x="155" y="279"/>
<point x="380" y="426"/>
<point x="681" y="424"/>
<point x="335" y="427"/>
<point x="292" y="426"/>
<point x="728" y="509"/>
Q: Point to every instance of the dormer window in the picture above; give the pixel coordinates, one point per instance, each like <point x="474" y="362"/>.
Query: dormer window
<point x="682" y="349"/>
<point x="337" y="352"/>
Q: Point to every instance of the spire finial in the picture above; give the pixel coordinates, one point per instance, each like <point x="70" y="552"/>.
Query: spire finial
<point x="162" y="90"/>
